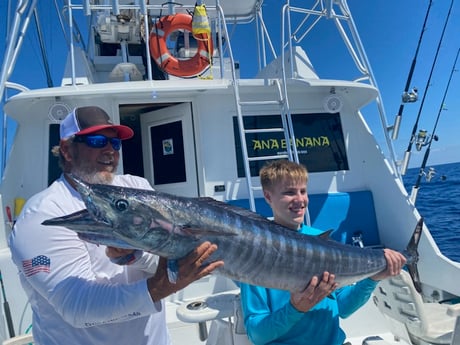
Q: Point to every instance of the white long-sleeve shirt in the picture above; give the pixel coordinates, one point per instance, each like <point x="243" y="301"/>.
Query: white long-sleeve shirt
<point x="78" y="296"/>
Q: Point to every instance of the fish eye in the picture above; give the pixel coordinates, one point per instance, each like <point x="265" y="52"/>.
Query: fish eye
<point x="121" y="204"/>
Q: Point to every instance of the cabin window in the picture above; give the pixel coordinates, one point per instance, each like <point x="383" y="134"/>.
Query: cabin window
<point x="319" y="139"/>
<point x="168" y="155"/>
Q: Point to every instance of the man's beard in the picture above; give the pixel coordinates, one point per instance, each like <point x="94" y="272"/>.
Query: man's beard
<point x="93" y="176"/>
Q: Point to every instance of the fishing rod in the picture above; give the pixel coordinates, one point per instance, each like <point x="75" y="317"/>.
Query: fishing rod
<point x="6" y="308"/>
<point x="407" y="154"/>
<point x="428" y="140"/>
<point x="410" y="96"/>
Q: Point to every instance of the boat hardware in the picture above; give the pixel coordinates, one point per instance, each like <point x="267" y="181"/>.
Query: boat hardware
<point x="407" y="154"/>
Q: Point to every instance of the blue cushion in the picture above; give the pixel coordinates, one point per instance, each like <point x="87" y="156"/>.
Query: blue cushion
<point x="347" y="214"/>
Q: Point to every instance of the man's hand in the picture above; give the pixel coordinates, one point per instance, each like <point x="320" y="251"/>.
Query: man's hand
<point x="395" y="262"/>
<point x="315" y="291"/>
<point x="190" y="269"/>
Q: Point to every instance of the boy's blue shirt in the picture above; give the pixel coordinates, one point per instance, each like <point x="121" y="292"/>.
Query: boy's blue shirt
<point x="270" y="318"/>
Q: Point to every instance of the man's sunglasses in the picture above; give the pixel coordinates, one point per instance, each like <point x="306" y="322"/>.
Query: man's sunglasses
<point x="98" y="141"/>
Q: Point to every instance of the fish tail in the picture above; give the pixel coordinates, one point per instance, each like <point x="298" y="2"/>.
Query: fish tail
<point x="412" y="256"/>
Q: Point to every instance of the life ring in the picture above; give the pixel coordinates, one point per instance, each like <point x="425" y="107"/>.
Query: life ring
<point x="191" y="67"/>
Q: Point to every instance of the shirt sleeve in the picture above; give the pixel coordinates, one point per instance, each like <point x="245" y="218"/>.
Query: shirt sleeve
<point x="351" y="298"/>
<point x="262" y="324"/>
<point x="57" y="266"/>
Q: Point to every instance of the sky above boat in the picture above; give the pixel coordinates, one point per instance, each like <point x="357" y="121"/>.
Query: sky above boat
<point x="389" y="31"/>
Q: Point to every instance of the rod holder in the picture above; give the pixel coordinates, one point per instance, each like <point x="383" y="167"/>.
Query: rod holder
<point x="413" y="194"/>
<point x="396" y="126"/>
<point x="405" y="163"/>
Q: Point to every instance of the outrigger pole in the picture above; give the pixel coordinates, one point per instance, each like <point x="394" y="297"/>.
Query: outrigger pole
<point x="46" y="65"/>
<point x="407" y="154"/>
<point x="410" y="96"/>
<point x="433" y="136"/>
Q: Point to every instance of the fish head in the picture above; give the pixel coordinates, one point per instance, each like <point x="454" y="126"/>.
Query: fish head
<point x="135" y="216"/>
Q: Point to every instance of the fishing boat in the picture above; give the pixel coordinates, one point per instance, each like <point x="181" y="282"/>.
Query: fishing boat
<point x="202" y="130"/>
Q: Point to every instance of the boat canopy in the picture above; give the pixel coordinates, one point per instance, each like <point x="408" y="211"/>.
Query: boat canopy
<point x="235" y="10"/>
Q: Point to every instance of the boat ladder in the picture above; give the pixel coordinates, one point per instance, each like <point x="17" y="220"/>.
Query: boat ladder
<point x="243" y="107"/>
<point x="244" y="104"/>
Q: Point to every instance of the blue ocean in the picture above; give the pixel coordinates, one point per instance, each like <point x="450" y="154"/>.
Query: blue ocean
<point x="438" y="201"/>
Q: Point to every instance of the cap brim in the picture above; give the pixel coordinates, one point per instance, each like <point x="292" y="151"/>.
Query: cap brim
<point x="123" y="132"/>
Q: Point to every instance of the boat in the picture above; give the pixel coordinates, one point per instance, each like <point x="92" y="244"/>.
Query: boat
<point x="202" y="130"/>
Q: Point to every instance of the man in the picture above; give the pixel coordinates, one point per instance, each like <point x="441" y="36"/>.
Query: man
<point x="311" y="316"/>
<point x="77" y="293"/>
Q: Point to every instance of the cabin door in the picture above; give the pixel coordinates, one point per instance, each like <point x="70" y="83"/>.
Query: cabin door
<point x="169" y="150"/>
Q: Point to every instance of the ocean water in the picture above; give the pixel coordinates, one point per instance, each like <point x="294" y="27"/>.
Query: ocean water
<point x="438" y="201"/>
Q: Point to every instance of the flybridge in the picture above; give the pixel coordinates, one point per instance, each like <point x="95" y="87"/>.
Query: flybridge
<point x="116" y="49"/>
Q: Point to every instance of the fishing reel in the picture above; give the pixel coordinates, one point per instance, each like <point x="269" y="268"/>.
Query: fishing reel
<point x="410" y="96"/>
<point x="423" y="138"/>
<point x="430" y="174"/>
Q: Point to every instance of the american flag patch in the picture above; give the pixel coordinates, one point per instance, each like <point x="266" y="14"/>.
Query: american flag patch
<point x="40" y="263"/>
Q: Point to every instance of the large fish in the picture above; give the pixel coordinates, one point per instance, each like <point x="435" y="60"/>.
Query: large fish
<point x="255" y="250"/>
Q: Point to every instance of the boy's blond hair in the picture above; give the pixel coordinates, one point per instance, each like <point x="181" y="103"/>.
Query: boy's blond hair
<point x="280" y="170"/>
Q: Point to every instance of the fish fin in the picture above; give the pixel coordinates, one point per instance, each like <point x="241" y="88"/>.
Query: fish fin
<point x="326" y="235"/>
<point x="233" y="208"/>
<point x="209" y="200"/>
<point x="412" y="256"/>
<point x="172" y="270"/>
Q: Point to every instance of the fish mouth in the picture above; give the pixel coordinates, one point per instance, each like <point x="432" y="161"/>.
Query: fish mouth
<point x="105" y="239"/>
<point x="96" y="231"/>
<point x="81" y="222"/>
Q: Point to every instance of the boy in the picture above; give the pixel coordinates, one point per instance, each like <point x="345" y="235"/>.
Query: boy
<point x="274" y="316"/>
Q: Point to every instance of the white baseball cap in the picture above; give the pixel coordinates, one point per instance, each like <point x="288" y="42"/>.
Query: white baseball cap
<point x="87" y="120"/>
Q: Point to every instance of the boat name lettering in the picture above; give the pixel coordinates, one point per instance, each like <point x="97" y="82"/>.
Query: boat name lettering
<point x="270" y="144"/>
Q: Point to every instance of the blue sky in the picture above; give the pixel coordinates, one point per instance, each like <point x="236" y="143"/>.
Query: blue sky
<point x="389" y="30"/>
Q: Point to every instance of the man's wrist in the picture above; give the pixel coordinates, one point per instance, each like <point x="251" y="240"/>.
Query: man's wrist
<point x="158" y="289"/>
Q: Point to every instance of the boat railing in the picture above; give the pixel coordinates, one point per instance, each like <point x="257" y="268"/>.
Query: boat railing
<point x="294" y="32"/>
<point x="139" y="12"/>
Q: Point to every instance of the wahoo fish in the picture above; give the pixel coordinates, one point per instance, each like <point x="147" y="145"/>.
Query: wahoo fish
<point x="254" y="249"/>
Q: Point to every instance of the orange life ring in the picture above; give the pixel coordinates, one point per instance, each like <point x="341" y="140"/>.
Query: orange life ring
<point x="191" y="67"/>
